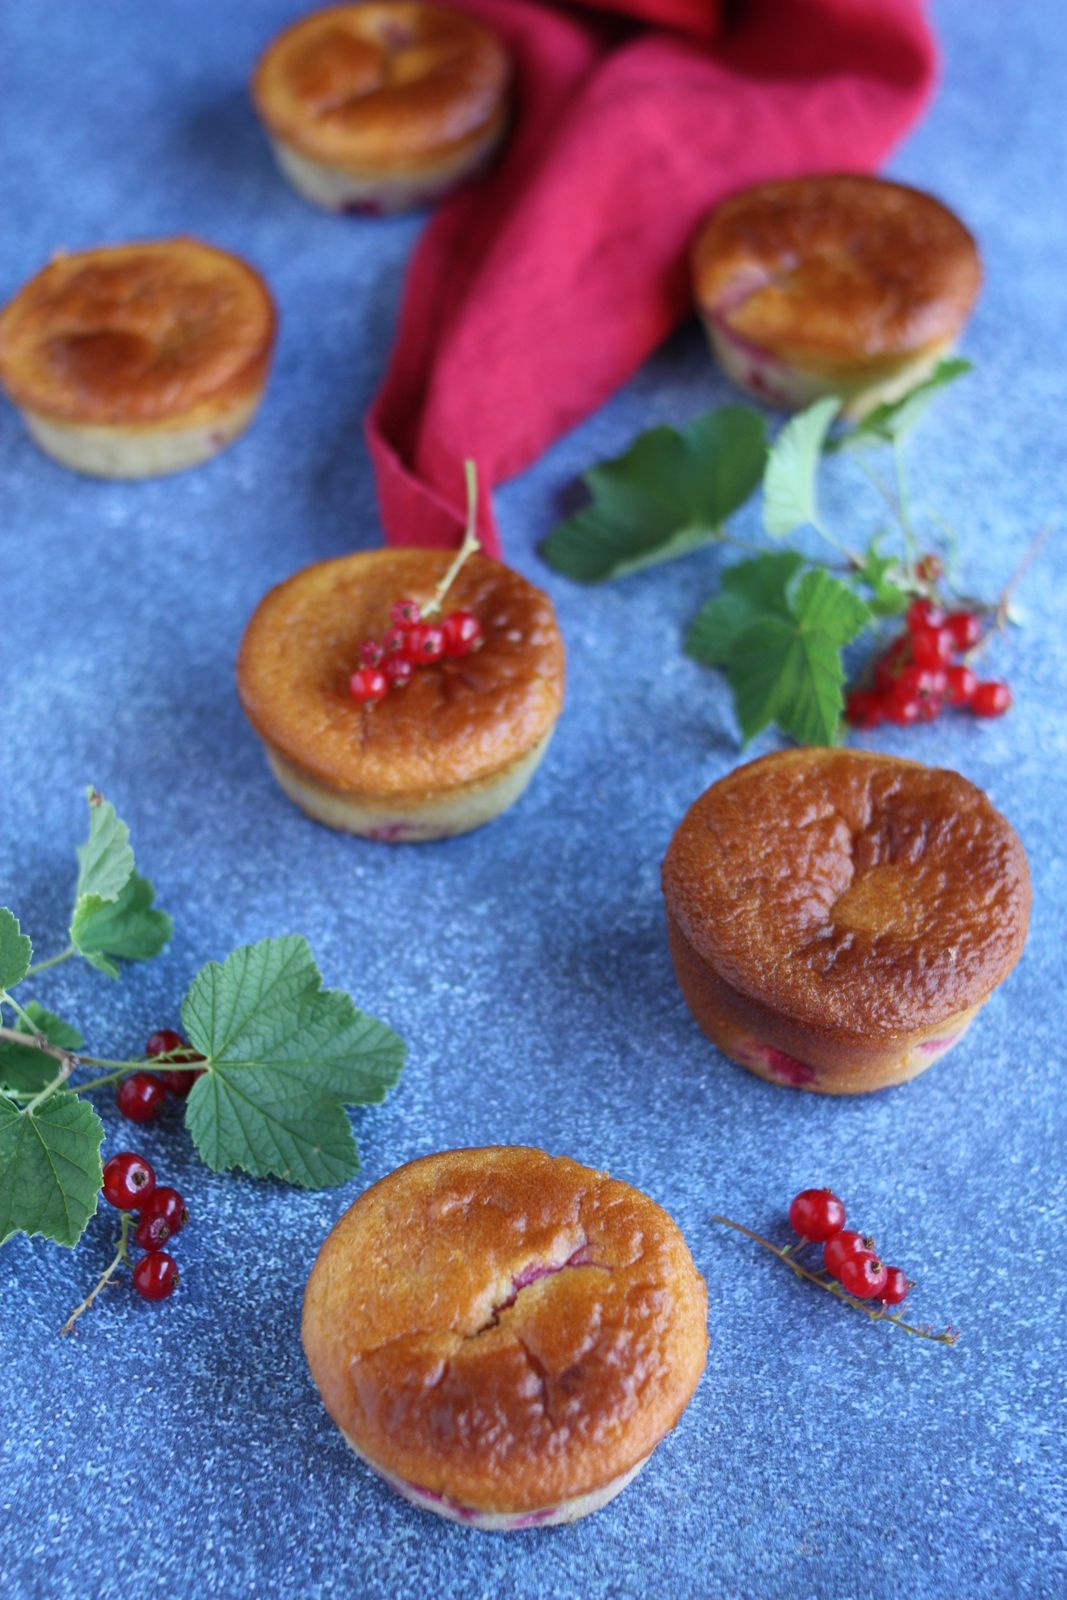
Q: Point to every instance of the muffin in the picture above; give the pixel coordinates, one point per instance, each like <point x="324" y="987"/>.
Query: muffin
<point x="505" y="1336"/>
<point x="133" y="360"/>
<point x="446" y="752"/>
<point x="382" y="106"/>
<point x="836" y="917"/>
<point x="844" y="285"/>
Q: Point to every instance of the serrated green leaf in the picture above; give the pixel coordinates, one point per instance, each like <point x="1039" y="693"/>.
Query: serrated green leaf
<point x="789" y="481"/>
<point x="128" y="927"/>
<point x="670" y="492"/>
<point x="894" y="419"/>
<point x="105" y="860"/>
<point x="26" y="1069"/>
<point x="50" y="1168"/>
<point x="788" y="671"/>
<point x="886" y="579"/>
<point x="283" y="1057"/>
<point x="750" y="590"/>
<point x="16" y="951"/>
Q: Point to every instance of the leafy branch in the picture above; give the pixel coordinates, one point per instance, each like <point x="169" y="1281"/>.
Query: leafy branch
<point x="281" y="1057"/>
<point x="781" y="620"/>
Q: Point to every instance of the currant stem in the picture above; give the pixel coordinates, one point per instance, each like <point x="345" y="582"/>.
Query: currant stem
<point x="19" y="1010"/>
<point x="949" y="1336"/>
<point x="35" y="1040"/>
<point x="470" y="544"/>
<point x="121" y="1254"/>
<point x="52" y="961"/>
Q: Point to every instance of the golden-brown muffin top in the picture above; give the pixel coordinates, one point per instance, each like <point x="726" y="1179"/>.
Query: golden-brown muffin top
<point x="382" y="85"/>
<point x="841" y="266"/>
<point x="858" y="893"/>
<point x="137" y="333"/>
<point x="454" y="723"/>
<point x="505" y="1327"/>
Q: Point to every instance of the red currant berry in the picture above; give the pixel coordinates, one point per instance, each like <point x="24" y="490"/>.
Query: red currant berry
<point x="902" y="709"/>
<point x="928" y="568"/>
<point x="128" y="1180"/>
<point x="864" y="708"/>
<point x="896" y="1286"/>
<point x="406" y="613"/>
<point x="965" y="628"/>
<point x="462" y="632"/>
<point x="155" y="1277"/>
<point x="931" y="647"/>
<point x="863" y="1275"/>
<point x="890" y="664"/>
<point x="929" y="708"/>
<point x="368" y="686"/>
<point x="163" y="1042"/>
<point x="844" y="1244"/>
<point x="920" y="682"/>
<point x="817" y="1214"/>
<point x="371" y="653"/>
<point x="181" y="1083"/>
<point x="394" y="642"/>
<point x="961" y="683"/>
<point x="140" y="1096"/>
<point x="398" y="670"/>
<point x="425" y="644"/>
<point x="163" y="1214"/>
<point x="990" y="699"/>
<point x="922" y="613"/>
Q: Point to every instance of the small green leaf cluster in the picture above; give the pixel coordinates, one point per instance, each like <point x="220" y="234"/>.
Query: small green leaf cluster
<point x="282" y="1056"/>
<point x="780" y="622"/>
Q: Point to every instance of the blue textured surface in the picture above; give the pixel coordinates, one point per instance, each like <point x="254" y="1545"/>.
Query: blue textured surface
<point x="181" y="1451"/>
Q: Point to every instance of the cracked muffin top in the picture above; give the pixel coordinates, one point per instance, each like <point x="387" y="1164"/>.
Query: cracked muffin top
<point x="846" y="265"/>
<point x="505" y="1327"/>
<point x="861" y="894"/>
<point x="385" y="85"/>
<point x="455" y="722"/>
<point x="137" y="333"/>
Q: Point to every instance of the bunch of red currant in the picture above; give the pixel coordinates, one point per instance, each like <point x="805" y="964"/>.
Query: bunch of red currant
<point x="142" y="1095"/>
<point x="130" y="1185"/>
<point x="916" y="677"/>
<point x="411" y="641"/>
<point x="818" y="1215"/>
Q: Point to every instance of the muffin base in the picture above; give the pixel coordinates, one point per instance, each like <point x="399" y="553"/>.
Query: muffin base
<point x="341" y="190"/>
<point x="569" y="1510"/>
<point x="783" y="1051"/>
<point x="409" y="821"/>
<point x="784" y="384"/>
<point x="151" y="450"/>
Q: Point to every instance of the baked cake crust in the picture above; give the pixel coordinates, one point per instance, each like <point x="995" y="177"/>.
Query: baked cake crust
<point x="843" y="906"/>
<point x="840" y="274"/>
<point x="505" y="1328"/>
<point x="143" y="335"/>
<point x="455" y="723"/>
<point x="390" y="87"/>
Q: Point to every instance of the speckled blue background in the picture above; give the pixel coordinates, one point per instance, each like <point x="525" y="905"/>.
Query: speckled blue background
<point x="181" y="1451"/>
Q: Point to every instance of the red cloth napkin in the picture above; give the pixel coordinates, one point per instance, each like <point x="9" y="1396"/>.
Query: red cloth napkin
<point x="537" y="291"/>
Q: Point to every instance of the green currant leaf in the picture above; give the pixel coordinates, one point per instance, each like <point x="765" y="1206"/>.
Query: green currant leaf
<point x="50" y="1168"/>
<point x="750" y="591"/>
<point x="886" y="579"/>
<point x="778" y="631"/>
<point x="670" y="492"/>
<point x="129" y="927"/>
<point x="25" y="1069"/>
<point x="105" y="860"/>
<point x="893" y="420"/>
<point x="283" y="1057"/>
<point x="16" y="951"/>
<point x="789" y="481"/>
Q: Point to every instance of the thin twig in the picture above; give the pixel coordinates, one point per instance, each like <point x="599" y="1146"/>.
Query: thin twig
<point x="470" y="544"/>
<point x="52" y="961"/>
<point x="949" y="1336"/>
<point x="121" y="1255"/>
<point x="35" y="1041"/>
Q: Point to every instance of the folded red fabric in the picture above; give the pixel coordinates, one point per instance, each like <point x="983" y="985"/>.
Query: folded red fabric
<point x="534" y="293"/>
